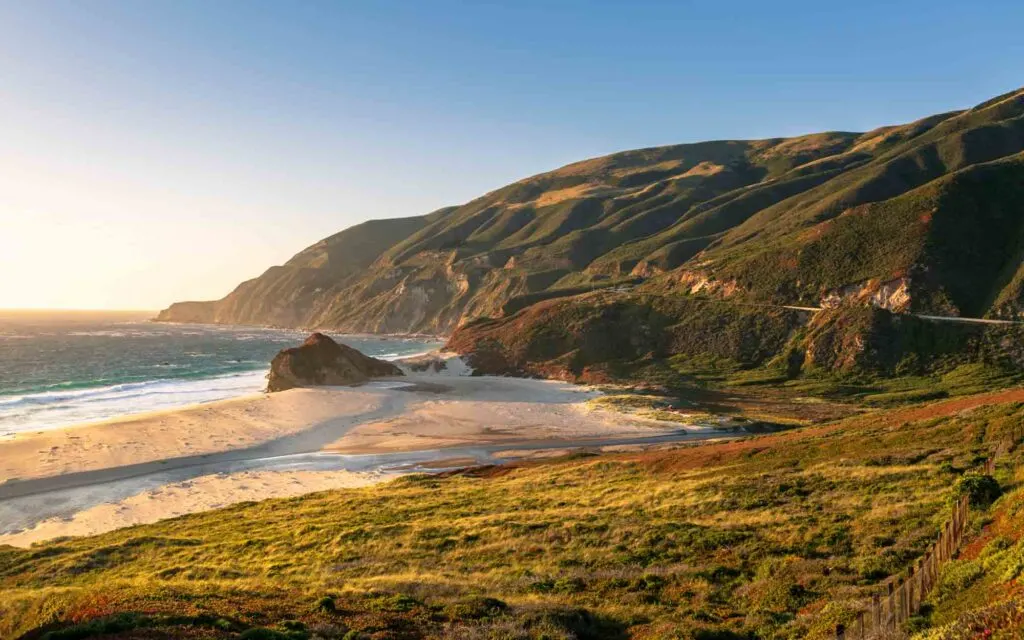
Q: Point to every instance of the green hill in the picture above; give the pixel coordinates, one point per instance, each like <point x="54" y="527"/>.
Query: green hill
<point x="918" y="217"/>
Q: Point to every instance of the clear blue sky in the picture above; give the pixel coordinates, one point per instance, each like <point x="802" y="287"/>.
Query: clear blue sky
<point x="154" y="150"/>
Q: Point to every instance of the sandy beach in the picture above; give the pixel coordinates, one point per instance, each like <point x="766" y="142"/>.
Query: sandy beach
<point x="168" y="463"/>
<point x="200" y="494"/>
<point x="197" y="430"/>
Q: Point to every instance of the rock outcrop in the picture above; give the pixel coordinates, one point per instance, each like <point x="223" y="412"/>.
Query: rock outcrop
<point x="638" y="337"/>
<point x="322" y="361"/>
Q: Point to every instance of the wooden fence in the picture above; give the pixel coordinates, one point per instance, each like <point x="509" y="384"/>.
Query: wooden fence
<point x="885" y="615"/>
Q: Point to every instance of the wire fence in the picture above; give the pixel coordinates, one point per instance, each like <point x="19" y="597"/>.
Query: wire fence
<point x="885" y="614"/>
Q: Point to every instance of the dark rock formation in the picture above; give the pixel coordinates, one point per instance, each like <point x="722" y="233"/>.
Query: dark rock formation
<point x="322" y="361"/>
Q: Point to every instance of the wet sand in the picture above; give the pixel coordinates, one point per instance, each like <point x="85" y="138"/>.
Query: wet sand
<point x="142" y="468"/>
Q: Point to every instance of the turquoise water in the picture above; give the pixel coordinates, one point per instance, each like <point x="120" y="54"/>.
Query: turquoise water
<point x="60" y="368"/>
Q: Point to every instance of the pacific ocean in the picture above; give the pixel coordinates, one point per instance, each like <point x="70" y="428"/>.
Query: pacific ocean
<point x="66" y="367"/>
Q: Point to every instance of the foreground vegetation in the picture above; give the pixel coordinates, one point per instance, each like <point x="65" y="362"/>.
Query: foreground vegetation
<point x="777" y="536"/>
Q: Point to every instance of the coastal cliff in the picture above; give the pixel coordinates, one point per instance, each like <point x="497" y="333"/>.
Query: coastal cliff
<point x="667" y="339"/>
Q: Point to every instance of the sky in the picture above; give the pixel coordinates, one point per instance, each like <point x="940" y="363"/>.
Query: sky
<point x="162" y="150"/>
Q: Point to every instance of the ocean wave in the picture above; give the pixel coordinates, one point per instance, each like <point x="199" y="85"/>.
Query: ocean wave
<point x="88" y="373"/>
<point x="146" y="387"/>
<point x="397" y="356"/>
<point x="53" y="410"/>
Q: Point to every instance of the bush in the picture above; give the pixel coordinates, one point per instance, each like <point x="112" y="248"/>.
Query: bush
<point x="569" y="585"/>
<point x="327" y="604"/>
<point x="475" y="608"/>
<point x="982" y="490"/>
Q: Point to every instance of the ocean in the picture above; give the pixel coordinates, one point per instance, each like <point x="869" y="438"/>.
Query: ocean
<point x="64" y="367"/>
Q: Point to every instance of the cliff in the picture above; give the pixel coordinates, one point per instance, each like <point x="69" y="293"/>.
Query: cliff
<point x="668" y="339"/>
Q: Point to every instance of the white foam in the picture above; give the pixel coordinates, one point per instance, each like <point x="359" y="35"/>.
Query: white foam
<point x="455" y="365"/>
<point x="54" y="409"/>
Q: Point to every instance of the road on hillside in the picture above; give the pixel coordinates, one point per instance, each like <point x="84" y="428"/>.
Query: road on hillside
<point x="923" y="316"/>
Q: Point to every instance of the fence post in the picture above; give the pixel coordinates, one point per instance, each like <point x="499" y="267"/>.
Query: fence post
<point x="924" y="586"/>
<point x="911" y="595"/>
<point x="921" y="582"/>
<point x="957" y="523"/>
<point x="901" y="595"/>
<point x="840" y="632"/>
<point x="876" y="607"/>
<point x="891" y="621"/>
<point x="908" y="596"/>
<point x="928" y="570"/>
<point x="860" y="626"/>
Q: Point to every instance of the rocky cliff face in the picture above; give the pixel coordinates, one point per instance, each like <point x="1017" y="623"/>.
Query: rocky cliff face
<point x="596" y="338"/>
<point x="600" y="338"/>
<point x="322" y="361"/>
<point x="918" y="217"/>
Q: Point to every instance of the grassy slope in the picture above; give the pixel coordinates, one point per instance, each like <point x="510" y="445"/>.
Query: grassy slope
<point x="776" y="536"/>
<point x="786" y="219"/>
<point x="981" y="593"/>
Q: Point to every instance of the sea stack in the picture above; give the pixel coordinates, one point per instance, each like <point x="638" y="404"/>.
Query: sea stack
<point x="322" y="361"/>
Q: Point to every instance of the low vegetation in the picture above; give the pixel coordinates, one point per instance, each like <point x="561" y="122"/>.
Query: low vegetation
<point x="980" y="594"/>
<point x="775" y="536"/>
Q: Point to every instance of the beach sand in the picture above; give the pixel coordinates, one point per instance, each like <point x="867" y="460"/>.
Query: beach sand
<point x="420" y="413"/>
<point x="199" y="494"/>
<point x="487" y="411"/>
<point x="215" y="427"/>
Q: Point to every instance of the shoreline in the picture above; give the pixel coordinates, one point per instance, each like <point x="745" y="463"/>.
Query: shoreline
<point x="83" y="400"/>
<point x="68" y="480"/>
<point x="410" y="336"/>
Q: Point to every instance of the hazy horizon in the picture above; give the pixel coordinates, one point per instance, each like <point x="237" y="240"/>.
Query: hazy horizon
<point x="165" y="151"/>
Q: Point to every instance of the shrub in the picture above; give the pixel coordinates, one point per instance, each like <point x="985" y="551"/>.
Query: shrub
<point x="475" y="608"/>
<point x="982" y="490"/>
<point x="327" y="604"/>
<point x="569" y="585"/>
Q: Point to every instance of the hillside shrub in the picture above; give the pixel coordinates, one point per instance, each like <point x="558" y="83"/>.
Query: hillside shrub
<point x="981" y="489"/>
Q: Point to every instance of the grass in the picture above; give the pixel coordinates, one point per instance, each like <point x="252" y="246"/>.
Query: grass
<point x="979" y="594"/>
<point x="776" y="536"/>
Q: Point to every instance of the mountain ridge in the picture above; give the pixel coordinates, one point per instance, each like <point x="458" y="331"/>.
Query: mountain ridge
<point x="915" y="217"/>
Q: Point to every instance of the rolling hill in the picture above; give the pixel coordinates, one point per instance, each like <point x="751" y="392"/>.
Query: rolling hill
<point x="921" y="217"/>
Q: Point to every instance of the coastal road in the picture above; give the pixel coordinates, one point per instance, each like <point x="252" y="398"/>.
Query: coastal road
<point x="791" y="307"/>
<point x="925" y="316"/>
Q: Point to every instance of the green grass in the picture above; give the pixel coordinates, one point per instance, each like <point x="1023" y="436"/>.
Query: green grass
<point x="776" y="536"/>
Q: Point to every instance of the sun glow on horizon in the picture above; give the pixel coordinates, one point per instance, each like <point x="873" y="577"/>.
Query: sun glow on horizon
<point x="167" y="151"/>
